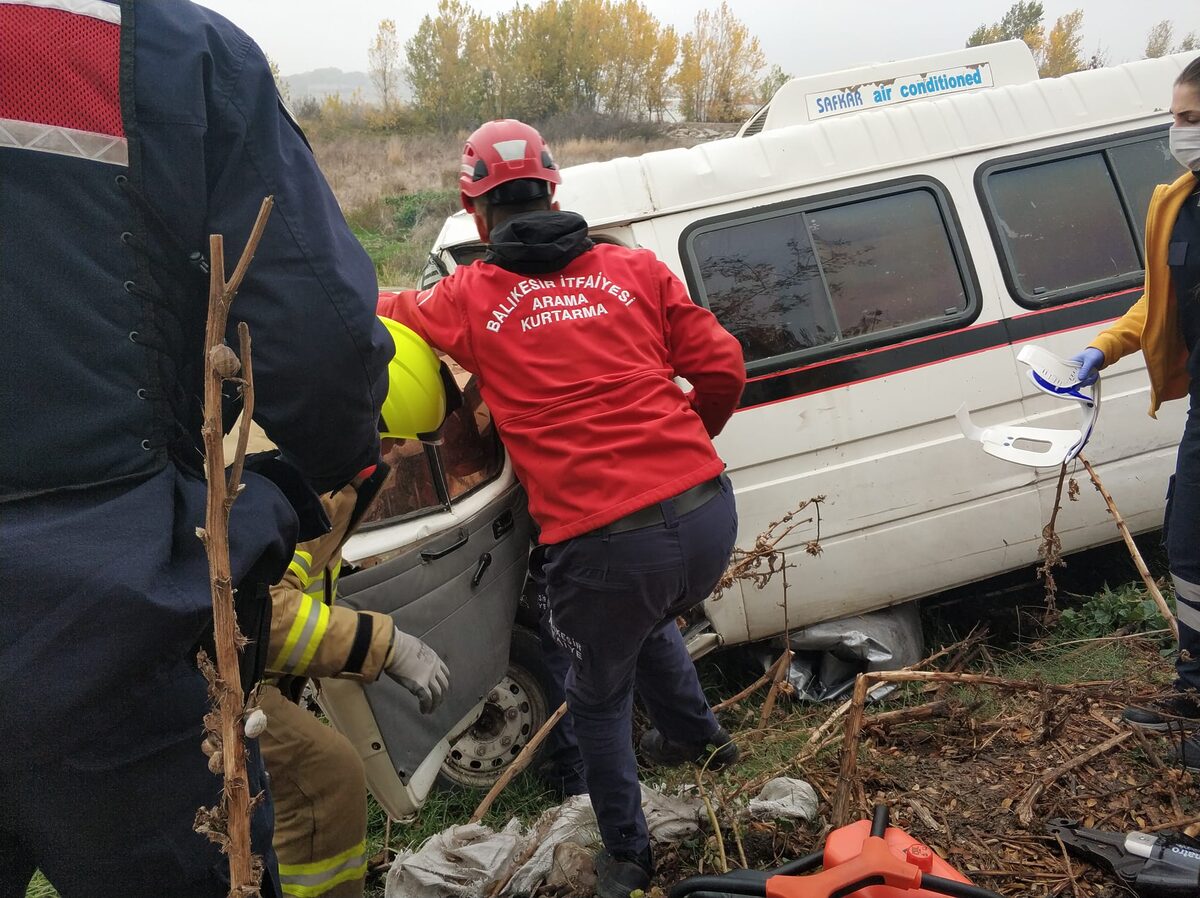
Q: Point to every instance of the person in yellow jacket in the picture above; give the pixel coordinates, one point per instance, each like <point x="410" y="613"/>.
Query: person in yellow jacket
<point x="1165" y="325"/>
<point x="317" y="781"/>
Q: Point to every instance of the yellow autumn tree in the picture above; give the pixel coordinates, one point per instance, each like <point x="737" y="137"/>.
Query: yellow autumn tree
<point x="566" y="57"/>
<point x="666" y="51"/>
<point x="1056" y="52"/>
<point x="719" y="65"/>
<point x="383" y="59"/>
<point x="1061" y="52"/>
<point x="444" y="81"/>
<point x="1022" y="21"/>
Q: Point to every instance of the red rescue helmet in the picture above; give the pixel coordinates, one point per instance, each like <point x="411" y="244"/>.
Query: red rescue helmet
<point x="502" y="152"/>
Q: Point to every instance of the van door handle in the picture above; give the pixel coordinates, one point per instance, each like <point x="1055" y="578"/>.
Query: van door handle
<point x="435" y="554"/>
<point x="485" y="561"/>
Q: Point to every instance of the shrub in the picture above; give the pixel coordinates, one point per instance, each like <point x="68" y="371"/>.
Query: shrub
<point x="1126" y="610"/>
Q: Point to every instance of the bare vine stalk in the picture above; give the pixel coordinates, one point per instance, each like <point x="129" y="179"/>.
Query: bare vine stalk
<point x="227" y="824"/>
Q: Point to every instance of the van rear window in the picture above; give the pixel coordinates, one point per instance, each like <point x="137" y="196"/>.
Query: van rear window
<point x="865" y="269"/>
<point x="1139" y="168"/>
<point x="1063" y="224"/>
<point x="1070" y="223"/>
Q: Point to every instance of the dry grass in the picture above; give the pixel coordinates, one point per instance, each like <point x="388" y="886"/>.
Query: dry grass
<point x="364" y="168"/>
<point x="396" y="190"/>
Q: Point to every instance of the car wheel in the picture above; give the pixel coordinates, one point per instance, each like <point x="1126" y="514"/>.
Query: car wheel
<point x="514" y="711"/>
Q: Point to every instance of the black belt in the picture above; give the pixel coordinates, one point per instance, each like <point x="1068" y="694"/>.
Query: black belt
<point x="688" y="500"/>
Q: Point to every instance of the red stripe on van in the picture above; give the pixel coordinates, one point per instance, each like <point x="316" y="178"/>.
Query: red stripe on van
<point x="935" y="349"/>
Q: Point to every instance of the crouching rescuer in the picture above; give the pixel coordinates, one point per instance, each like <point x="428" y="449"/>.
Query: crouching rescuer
<point x="577" y="347"/>
<point x="317" y="780"/>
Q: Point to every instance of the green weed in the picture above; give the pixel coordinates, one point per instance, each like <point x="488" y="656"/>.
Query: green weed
<point x="1128" y="609"/>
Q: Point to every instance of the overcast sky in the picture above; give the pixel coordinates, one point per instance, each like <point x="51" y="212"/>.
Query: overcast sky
<point x="803" y="36"/>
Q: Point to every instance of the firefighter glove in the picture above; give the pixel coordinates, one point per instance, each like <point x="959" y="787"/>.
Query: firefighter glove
<point x="417" y="668"/>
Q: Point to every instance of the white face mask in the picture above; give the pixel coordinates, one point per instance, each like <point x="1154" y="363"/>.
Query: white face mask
<point x="1185" y="145"/>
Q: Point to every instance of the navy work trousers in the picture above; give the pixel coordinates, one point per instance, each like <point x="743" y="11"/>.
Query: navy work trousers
<point x="114" y="819"/>
<point x="613" y="602"/>
<point x="1181" y="532"/>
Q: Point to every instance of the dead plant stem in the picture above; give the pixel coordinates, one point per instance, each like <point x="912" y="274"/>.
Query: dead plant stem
<point x="229" y="823"/>
<point x="1140" y="563"/>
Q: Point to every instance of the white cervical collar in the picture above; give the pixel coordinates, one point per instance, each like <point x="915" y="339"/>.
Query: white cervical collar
<point x="1055" y="377"/>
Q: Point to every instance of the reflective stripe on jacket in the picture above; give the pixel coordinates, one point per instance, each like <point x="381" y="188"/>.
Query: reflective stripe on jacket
<point x="311" y="636"/>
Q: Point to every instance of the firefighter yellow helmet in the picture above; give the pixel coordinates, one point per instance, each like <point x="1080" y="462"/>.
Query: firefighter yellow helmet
<point x="416" y="401"/>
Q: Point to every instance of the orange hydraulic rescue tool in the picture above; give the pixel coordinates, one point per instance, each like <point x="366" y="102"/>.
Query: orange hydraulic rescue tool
<point x="867" y="859"/>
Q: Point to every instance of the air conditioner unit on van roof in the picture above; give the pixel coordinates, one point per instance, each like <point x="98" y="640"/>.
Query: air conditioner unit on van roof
<point x="817" y="97"/>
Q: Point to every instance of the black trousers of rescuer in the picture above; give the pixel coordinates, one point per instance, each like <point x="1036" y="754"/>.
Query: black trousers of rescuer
<point x="1181" y="533"/>
<point x="613" y="599"/>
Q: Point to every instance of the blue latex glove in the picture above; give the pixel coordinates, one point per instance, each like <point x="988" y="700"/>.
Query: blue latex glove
<point x="1090" y="362"/>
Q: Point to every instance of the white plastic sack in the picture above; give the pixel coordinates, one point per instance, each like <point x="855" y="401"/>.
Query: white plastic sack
<point x="784" y="797"/>
<point x="469" y="860"/>
<point x="461" y="862"/>
<point x="572" y="821"/>
<point x="668" y="820"/>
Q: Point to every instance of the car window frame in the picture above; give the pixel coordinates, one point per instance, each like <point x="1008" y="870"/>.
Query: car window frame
<point x="439" y="478"/>
<point x="959" y="250"/>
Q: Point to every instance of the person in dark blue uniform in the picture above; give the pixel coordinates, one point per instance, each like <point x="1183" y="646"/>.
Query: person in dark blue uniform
<point x="129" y="132"/>
<point x="1165" y="326"/>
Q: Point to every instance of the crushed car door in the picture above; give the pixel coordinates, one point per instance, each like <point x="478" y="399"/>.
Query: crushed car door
<point x="445" y="555"/>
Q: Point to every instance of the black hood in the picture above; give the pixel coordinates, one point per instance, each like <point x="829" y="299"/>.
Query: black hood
<point x="538" y="242"/>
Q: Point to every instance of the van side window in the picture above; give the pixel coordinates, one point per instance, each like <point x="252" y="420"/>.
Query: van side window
<point x="865" y="269"/>
<point x="1070" y="224"/>
<point x="1140" y="167"/>
<point x="1063" y="224"/>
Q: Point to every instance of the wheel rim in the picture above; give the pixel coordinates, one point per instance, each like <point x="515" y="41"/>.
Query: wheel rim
<point x="513" y="712"/>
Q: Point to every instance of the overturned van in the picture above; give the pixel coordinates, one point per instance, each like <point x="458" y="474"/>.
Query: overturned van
<point x="882" y="242"/>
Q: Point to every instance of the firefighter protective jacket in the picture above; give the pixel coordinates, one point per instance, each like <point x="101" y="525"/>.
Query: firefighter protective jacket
<point x="129" y="132"/>
<point x="576" y="347"/>
<point x="312" y="637"/>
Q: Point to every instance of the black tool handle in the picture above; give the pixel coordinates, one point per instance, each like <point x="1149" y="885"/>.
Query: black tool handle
<point x="879" y="821"/>
<point x="740" y="882"/>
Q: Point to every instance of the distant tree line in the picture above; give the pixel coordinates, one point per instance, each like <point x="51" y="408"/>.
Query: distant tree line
<point x="614" y="59"/>
<point x="1059" y="50"/>
<point x="611" y="57"/>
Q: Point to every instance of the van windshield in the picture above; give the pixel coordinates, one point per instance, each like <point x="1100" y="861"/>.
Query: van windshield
<point x="428" y="478"/>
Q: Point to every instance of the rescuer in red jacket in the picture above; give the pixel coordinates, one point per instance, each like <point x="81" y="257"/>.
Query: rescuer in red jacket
<point x="577" y="347"/>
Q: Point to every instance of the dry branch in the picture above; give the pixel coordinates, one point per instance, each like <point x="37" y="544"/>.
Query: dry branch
<point x="1161" y="769"/>
<point x="779" y="677"/>
<point x="848" y="765"/>
<point x="940" y="708"/>
<point x="848" y="775"/>
<point x="758" y="684"/>
<point x="1140" y="563"/>
<point x="1173" y="824"/>
<point x="1050" y="551"/>
<point x="1024" y="808"/>
<point x="762" y="562"/>
<point x="713" y="822"/>
<point x="520" y="762"/>
<point x="228" y="824"/>
<point x="819" y="739"/>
